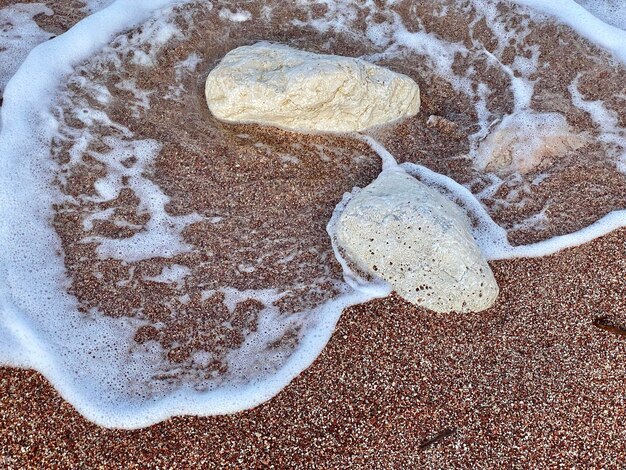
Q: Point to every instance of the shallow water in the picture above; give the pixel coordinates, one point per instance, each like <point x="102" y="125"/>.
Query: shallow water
<point x="186" y="263"/>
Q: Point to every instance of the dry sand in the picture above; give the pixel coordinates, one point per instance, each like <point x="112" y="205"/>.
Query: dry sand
<point x="537" y="380"/>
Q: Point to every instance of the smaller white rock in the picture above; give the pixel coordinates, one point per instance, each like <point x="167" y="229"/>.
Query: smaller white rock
<point x="274" y="84"/>
<point x="521" y="142"/>
<point x="420" y="242"/>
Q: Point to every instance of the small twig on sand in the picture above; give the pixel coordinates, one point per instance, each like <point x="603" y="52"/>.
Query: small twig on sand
<point x="606" y="324"/>
<point x="437" y="437"/>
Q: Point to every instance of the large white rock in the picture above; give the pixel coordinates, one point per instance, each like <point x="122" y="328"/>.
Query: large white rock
<point x="273" y="84"/>
<point x="401" y="230"/>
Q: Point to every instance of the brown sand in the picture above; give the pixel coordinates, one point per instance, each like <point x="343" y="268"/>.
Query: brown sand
<point x="534" y="381"/>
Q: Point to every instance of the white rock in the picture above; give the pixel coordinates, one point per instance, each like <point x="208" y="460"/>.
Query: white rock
<point x="277" y="85"/>
<point x="523" y="141"/>
<point x="420" y="242"/>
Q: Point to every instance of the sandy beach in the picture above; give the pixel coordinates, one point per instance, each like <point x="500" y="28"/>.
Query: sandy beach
<point x="529" y="383"/>
<point x="536" y="381"/>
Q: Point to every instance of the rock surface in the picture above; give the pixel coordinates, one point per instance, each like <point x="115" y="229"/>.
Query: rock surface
<point x="401" y="230"/>
<point x="522" y="142"/>
<point x="277" y="85"/>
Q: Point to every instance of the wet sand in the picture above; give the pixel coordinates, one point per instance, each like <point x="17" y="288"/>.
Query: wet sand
<point x="537" y="380"/>
<point x="532" y="382"/>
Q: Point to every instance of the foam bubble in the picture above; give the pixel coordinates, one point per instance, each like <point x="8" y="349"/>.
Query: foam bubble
<point x="20" y="33"/>
<point x="175" y="273"/>
<point x="92" y="359"/>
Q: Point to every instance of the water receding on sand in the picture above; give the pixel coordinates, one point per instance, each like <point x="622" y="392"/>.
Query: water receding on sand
<point x="196" y="252"/>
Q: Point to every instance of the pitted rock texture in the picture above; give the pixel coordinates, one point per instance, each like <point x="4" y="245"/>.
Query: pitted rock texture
<point x="273" y="84"/>
<point x="420" y="242"/>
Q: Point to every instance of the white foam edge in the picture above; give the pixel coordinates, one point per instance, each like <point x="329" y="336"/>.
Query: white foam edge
<point x="584" y="22"/>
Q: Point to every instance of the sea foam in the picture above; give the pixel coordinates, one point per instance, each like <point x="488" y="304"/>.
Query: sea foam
<point x="19" y="33"/>
<point x="91" y="359"/>
<point x="584" y="22"/>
